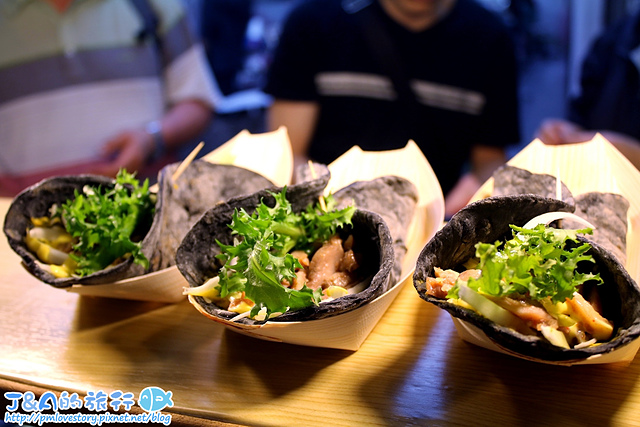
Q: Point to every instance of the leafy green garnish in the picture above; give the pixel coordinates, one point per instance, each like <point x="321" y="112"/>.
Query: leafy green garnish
<point x="103" y="222"/>
<point x="536" y="262"/>
<point x="259" y="260"/>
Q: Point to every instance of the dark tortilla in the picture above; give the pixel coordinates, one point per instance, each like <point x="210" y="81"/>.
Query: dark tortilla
<point x="178" y="206"/>
<point x="35" y="202"/>
<point x="196" y="255"/>
<point x="487" y="221"/>
<point x="394" y="199"/>
<point x="510" y="180"/>
<point x="200" y="187"/>
<point x="304" y="173"/>
<point x="608" y="213"/>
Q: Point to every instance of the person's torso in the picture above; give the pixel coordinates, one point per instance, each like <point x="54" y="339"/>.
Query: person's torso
<point x="448" y="68"/>
<point x="70" y="81"/>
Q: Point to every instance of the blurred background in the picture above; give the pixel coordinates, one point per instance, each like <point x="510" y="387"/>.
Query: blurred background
<point x="552" y="37"/>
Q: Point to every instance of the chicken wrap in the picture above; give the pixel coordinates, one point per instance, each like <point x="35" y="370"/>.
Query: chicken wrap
<point x="91" y="230"/>
<point x="569" y="301"/>
<point x="347" y="267"/>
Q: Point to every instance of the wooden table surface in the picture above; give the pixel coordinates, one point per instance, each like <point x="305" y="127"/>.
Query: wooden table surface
<point x="412" y="370"/>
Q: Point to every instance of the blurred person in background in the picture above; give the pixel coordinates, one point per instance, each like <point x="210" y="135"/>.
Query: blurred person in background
<point x="609" y="99"/>
<point x="223" y="26"/>
<point x="377" y="73"/>
<point x="92" y="86"/>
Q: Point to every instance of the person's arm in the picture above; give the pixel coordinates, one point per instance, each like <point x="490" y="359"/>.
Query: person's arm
<point x="484" y="160"/>
<point x="560" y="131"/>
<point x="291" y="78"/>
<point x="190" y="96"/>
<point x="299" y="118"/>
<point x="132" y="148"/>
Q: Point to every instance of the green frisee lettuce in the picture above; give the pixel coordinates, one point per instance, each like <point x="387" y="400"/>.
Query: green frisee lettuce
<point x="103" y="222"/>
<point x="259" y="260"/>
<point x="536" y="262"/>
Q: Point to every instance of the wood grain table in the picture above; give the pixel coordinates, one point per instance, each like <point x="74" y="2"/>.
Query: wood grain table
<point x="412" y="370"/>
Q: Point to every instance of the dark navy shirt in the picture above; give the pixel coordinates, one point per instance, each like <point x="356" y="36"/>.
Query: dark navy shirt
<point x="610" y="81"/>
<point x="462" y="72"/>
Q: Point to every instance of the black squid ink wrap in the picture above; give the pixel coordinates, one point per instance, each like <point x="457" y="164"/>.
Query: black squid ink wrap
<point x="201" y="186"/>
<point x="178" y="206"/>
<point x="196" y="255"/>
<point x="36" y="201"/>
<point x="487" y="221"/>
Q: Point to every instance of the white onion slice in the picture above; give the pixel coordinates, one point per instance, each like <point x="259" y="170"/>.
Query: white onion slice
<point x="549" y="217"/>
